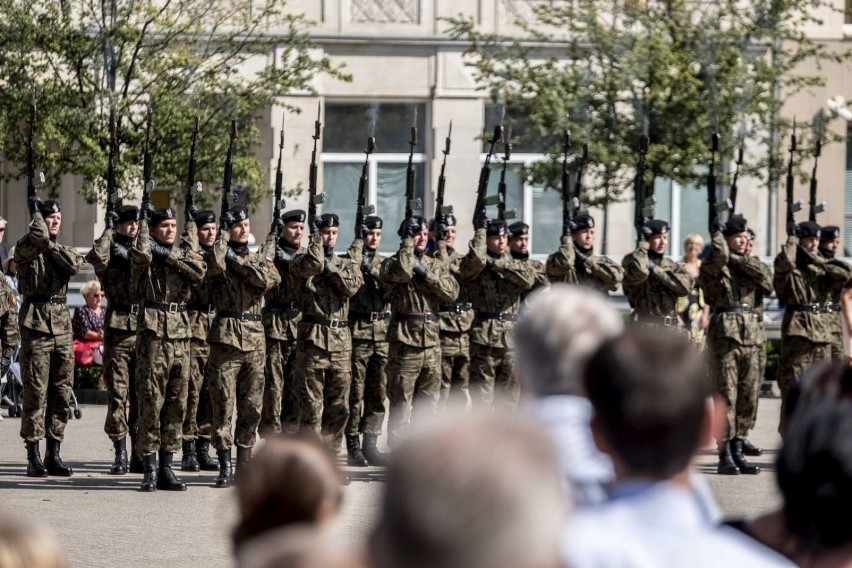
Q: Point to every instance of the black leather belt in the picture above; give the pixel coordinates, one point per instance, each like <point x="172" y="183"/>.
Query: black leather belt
<point x="369" y="316"/>
<point x="743" y="309"/>
<point x="330" y="323"/>
<point x="832" y="308"/>
<point x="499" y="316"/>
<point x="126" y="309"/>
<point x="242" y="316"/>
<point x="459" y="308"/>
<point x="430" y="317"/>
<point x="58" y="300"/>
<point x="172" y="308"/>
<point x="808" y="308"/>
<point x="204" y="308"/>
<point x="282" y="306"/>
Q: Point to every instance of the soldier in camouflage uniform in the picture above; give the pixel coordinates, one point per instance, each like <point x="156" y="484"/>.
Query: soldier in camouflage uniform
<point x="418" y="285"/>
<point x="163" y="277"/>
<point x="829" y="242"/>
<point x="652" y="282"/>
<point x="239" y="280"/>
<point x="519" y="248"/>
<point x="369" y="316"/>
<point x="110" y="257"/>
<point x="456" y="318"/>
<point x="199" y="234"/>
<point x="325" y="283"/>
<point x="281" y="320"/>
<point x="495" y="283"/>
<point x="576" y="263"/>
<point x="733" y="282"/>
<point x="47" y="355"/>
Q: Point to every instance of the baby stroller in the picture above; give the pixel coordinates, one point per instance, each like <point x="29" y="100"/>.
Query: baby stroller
<point x="11" y="391"/>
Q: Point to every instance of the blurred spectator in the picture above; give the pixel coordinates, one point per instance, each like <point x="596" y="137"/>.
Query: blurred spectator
<point x="291" y="481"/>
<point x="477" y="493"/>
<point x="562" y="327"/>
<point x="10" y="271"/>
<point x="296" y="547"/>
<point x="5" y="250"/>
<point x="24" y="545"/>
<point x="650" y="393"/>
<point x="88" y="326"/>
<point x="694" y="313"/>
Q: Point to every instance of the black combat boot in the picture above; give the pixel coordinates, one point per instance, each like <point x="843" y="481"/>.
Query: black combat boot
<point x="189" y="458"/>
<point x="166" y="479"/>
<point x="243" y="459"/>
<point x="53" y="462"/>
<point x="726" y="461"/>
<point x="750" y="449"/>
<point x="372" y="453"/>
<point x="119" y="466"/>
<point x="202" y="451"/>
<point x="35" y="467"/>
<point x="355" y="456"/>
<point x="225" y="477"/>
<point x="149" y="474"/>
<point x="136" y="465"/>
<point x="739" y="458"/>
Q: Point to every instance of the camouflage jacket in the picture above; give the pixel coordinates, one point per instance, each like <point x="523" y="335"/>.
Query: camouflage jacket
<point x="539" y="273"/>
<point x="730" y="280"/>
<point x="238" y="287"/>
<point x="200" y="306"/>
<point x="282" y="299"/>
<point x="456" y="317"/>
<point x="44" y="269"/>
<point x="805" y="283"/>
<point x="110" y="257"/>
<point x="371" y="298"/>
<point x="598" y="272"/>
<point x="166" y="281"/>
<point x="494" y="288"/>
<point x="324" y="289"/>
<point x="835" y="289"/>
<point x="8" y="320"/>
<point x="416" y="295"/>
<point x="653" y="292"/>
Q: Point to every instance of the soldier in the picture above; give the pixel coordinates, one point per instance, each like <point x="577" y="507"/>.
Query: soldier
<point x="652" y="282"/>
<point x="456" y="318"/>
<point x="418" y="285"/>
<point x="733" y="283"/>
<point x="829" y="242"/>
<point x="369" y="316"/>
<point x="495" y="283"/>
<point x="199" y="234"/>
<point x="519" y="248"/>
<point x="163" y="277"/>
<point x="239" y="280"/>
<point x="280" y="321"/>
<point x="110" y="257"/>
<point x="47" y="355"/>
<point x="325" y="282"/>
<point x="576" y="263"/>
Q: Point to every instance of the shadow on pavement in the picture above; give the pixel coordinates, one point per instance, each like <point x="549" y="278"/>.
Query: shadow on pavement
<point x="372" y="474"/>
<point x="87" y="477"/>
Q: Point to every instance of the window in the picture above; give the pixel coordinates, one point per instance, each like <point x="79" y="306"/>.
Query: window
<point x="344" y="141"/>
<point x="685" y="208"/>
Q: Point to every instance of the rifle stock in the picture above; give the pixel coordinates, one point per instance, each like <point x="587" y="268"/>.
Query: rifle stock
<point x="279" y="178"/>
<point x="640" y="189"/>
<point x="111" y="156"/>
<point x="411" y="203"/>
<point x="192" y="187"/>
<point x="31" y="189"/>
<point x="441" y="210"/>
<point x="147" y="181"/>
<point x="314" y="198"/>
<point x="502" y="213"/>
<point x="734" y="188"/>
<point x="568" y="207"/>
<point x="361" y="207"/>
<point x="229" y="171"/>
<point x="815" y="208"/>
<point x="482" y="201"/>
<point x="793" y="207"/>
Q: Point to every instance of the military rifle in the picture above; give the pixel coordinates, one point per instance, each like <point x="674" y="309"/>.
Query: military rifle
<point x="411" y="203"/>
<point x="644" y="206"/>
<point x="31" y="189"/>
<point x="441" y="210"/>
<point x="147" y="181"/>
<point x="792" y="207"/>
<point x="502" y="214"/>
<point x="577" y="198"/>
<point x="229" y="171"/>
<point x="714" y="209"/>
<point x="112" y="196"/>
<point x="569" y="207"/>
<point x="815" y="208"/>
<point x="314" y="198"/>
<point x="734" y="188"/>
<point x="482" y="201"/>
<point x="192" y="186"/>
<point x="361" y="207"/>
<point x="280" y="204"/>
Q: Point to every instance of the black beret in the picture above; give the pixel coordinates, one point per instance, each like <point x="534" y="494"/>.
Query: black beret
<point x="449" y="220"/>
<point x="373" y="222"/>
<point x="205" y="217"/>
<point x="239" y="212"/>
<point x="49" y="207"/>
<point x="127" y="213"/>
<point x="735" y="226"/>
<point x="294" y="216"/>
<point x="518" y="229"/>
<point x="329" y="220"/>
<point x="497" y="228"/>
<point x="160" y="215"/>
<point x="751" y="234"/>
<point x="583" y="221"/>
<point x="807" y="229"/>
<point x="829" y="233"/>
<point x="657" y="227"/>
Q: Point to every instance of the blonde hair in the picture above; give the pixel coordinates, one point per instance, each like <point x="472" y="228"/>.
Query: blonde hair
<point x="24" y="545"/>
<point x="89" y="286"/>
<point x="693" y="238"/>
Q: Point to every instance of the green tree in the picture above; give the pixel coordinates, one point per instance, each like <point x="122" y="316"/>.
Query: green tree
<point x="215" y="59"/>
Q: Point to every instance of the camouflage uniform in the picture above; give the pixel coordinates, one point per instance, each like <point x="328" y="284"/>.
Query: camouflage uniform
<point x="47" y="355"/>
<point x="495" y="286"/>
<point x="841" y="276"/>
<point x="324" y="353"/>
<point x="597" y="272"/>
<point x="414" y="361"/>
<point x="653" y="291"/>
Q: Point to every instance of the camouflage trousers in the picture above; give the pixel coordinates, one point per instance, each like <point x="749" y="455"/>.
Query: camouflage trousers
<point x="196" y="423"/>
<point x="47" y="372"/>
<point x="455" y="363"/>
<point x="162" y="378"/>
<point x="120" y="380"/>
<point x="491" y="372"/>
<point x="279" y="393"/>
<point x="736" y="370"/>
<point x="236" y="379"/>
<point x="414" y="375"/>
<point x="322" y="389"/>
<point x="368" y="389"/>
<point x="837" y="353"/>
<point x="797" y="355"/>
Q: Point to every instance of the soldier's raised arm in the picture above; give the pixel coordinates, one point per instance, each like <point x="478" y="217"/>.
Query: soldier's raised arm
<point x="476" y="258"/>
<point x="676" y="278"/>
<point x="345" y="275"/>
<point x="635" y="265"/>
<point x="311" y="262"/>
<point x="560" y="265"/>
<point x="400" y="267"/>
<point x="34" y="242"/>
<point x="606" y="271"/>
<point x="99" y="254"/>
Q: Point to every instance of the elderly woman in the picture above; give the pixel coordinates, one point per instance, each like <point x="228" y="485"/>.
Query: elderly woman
<point x="88" y="325"/>
<point x="694" y="313"/>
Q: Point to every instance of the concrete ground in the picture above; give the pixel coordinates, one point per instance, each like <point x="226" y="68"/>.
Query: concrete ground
<point x="103" y="521"/>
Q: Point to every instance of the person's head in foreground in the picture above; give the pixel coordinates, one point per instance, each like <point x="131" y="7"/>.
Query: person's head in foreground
<point x="453" y="499"/>
<point x="297" y="547"/>
<point x="24" y="545"/>
<point x="291" y="481"/>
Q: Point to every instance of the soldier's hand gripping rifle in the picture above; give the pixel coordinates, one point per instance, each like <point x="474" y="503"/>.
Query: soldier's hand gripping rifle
<point x="644" y="206"/>
<point x="734" y="189"/>
<point x="361" y="208"/>
<point x="441" y="210"/>
<point x="192" y="186"/>
<point x="314" y="198"/>
<point x="816" y="208"/>
<point x="502" y="213"/>
<point x="226" y="219"/>
<point x="482" y="201"/>
<point x="147" y="181"/>
<point x="412" y="204"/>
<point x="793" y="207"/>
<point x="714" y="209"/>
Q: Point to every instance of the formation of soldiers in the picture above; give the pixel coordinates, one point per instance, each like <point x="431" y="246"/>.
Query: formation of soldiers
<point x="296" y="337"/>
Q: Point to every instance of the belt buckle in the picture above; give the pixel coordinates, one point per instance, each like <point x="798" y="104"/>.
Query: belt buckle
<point x="173" y="308"/>
<point x="457" y="308"/>
<point x="134" y="309"/>
<point x="667" y="320"/>
<point x="374" y="317"/>
<point x="745" y="308"/>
